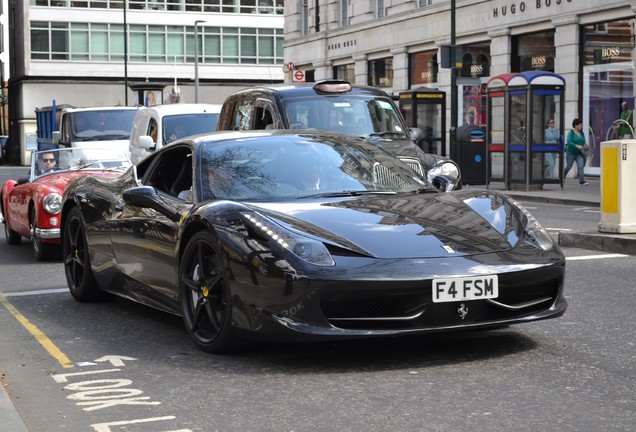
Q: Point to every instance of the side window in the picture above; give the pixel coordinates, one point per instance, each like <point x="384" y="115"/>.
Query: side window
<point x="173" y="173"/>
<point x="263" y="118"/>
<point x="152" y="129"/>
<point x="137" y="129"/>
<point x="242" y="116"/>
<point x="225" y="118"/>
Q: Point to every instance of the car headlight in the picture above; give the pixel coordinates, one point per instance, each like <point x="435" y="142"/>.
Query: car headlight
<point x="538" y="234"/>
<point x="534" y="230"/>
<point x="309" y="250"/>
<point x="444" y="175"/>
<point x="52" y="203"/>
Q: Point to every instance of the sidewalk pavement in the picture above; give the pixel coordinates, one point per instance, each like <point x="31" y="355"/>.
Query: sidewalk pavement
<point x="575" y="194"/>
<point x="10" y="420"/>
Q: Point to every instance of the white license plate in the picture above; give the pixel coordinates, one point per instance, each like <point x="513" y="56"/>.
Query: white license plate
<point x="467" y="288"/>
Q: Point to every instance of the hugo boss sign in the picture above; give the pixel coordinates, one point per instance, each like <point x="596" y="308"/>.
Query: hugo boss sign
<point x="521" y="7"/>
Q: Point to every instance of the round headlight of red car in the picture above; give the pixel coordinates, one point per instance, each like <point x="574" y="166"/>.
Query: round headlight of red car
<point x="52" y="203"/>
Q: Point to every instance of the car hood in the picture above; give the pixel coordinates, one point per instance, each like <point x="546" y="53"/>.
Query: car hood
<point x="59" y="180"/>
<point x="407" y="226"/>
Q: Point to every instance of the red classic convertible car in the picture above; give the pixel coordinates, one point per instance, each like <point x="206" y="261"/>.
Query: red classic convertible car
<point x="31" y="206"/>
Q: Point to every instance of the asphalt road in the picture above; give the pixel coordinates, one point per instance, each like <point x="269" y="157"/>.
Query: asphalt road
<point x="118" y="366"/>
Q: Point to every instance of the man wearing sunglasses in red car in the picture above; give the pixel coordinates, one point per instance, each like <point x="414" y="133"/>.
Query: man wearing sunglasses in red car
<point x="46" y="163"/>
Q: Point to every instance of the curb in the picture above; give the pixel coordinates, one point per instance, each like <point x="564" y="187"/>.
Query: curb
<point x="551" y="200"/>
<point x="11" y="420"/>
<point x="615" y="243"/>
<point x="590" y="240"/>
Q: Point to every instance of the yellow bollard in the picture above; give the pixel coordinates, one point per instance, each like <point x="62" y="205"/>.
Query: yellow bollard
<point x="618" y="180"/>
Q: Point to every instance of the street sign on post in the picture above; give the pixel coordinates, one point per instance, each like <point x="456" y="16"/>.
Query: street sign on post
<point x="298" y="76"/>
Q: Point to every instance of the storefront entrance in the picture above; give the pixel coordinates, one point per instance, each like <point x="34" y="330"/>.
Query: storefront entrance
<point x="602" y="97"/>
<point x="608" y="80"/>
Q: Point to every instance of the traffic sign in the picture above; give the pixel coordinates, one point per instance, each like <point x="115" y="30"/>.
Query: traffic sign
<point x="288" y="67"/>
<point x="298" y="76"/>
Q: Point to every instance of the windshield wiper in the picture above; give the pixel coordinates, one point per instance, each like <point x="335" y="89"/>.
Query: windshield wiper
<point x="425" y="190"/>
<point x="380" y="134"/>
<point x="110" y="137"/>
<point x="385" y="135"/>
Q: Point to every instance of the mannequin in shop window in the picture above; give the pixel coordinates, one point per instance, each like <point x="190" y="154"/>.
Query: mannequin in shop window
<point x="627" y="125"/>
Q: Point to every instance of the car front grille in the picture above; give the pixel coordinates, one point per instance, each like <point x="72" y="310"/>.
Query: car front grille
<point x="414" y="164"/>
<point x="377" y="310"/>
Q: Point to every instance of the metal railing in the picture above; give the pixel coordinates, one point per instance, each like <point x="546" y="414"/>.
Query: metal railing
<point x="616" y="125"/>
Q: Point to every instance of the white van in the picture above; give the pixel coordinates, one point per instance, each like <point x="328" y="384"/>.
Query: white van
<point x="157" y="126"/>
<point x="95" y="127"/>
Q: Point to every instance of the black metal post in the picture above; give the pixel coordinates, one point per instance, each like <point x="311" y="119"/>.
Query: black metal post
<point x="453" y="84"/>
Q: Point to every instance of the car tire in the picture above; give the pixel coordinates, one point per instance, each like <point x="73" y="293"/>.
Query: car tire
<point x="41" y="251"/>
<point x="205" y="295"/>
<point x="76" y="257"/>
<point x="13" y="238"/>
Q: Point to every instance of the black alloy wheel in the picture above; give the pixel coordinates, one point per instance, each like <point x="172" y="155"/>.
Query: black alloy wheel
<point x="75" y="254"/>
<point x="205" y="295"/>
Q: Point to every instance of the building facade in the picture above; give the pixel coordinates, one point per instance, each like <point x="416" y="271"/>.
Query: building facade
<point x="88" y="52"/>
<point x="397" y="45"/>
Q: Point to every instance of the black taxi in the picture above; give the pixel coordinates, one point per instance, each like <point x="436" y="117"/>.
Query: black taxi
<point x="337" y="106"/>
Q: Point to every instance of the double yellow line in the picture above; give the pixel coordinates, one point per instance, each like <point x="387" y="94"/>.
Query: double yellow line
<point x="48" y="345"/>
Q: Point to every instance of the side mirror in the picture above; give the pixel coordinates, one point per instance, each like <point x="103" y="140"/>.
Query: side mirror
<point x="145" y="142"/>
<point x="416" y="134"/>
<point x="56" y="136"/>
<point x="147" y="197"/>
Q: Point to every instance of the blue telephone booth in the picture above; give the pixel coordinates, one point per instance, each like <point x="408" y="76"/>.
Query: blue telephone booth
<point x="496" y="96"/>
<point x="533" y="124"/>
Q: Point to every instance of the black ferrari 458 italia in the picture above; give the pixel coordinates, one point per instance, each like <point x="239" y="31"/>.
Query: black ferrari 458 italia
<point x="305" y="236"/>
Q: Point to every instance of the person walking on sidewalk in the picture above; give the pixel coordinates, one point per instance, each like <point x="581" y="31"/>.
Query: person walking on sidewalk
<point x="576" y="150"/>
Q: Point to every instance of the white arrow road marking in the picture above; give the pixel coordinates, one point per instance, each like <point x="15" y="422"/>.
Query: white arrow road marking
<point x="115" y="360"/>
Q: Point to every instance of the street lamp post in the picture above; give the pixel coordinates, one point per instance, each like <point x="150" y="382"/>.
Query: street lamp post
<point x="196" y="60"/>
<point x="125" y="55"/>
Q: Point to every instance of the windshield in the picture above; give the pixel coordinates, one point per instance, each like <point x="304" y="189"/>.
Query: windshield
<point x="290" y="166"/>
<point x="182" y="125"/>
<point x="53" y="161"/>
<point x="363" y="116"/>
<point x="102" y="125"/>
